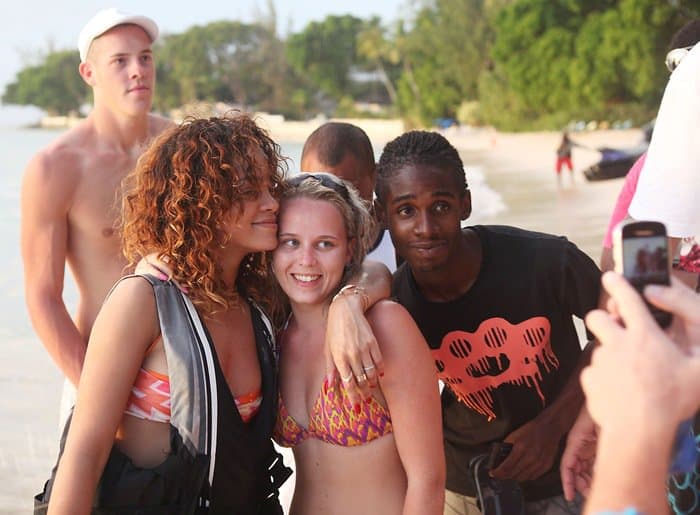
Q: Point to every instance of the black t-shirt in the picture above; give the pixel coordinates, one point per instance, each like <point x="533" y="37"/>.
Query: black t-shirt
<point x="507" y="347"/>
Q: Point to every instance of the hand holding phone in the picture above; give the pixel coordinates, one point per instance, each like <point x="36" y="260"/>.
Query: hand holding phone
<point x="640" y="250"/>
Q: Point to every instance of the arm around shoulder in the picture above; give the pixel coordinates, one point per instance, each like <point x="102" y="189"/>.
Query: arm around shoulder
<point x="410" y="388"/>
<point x="350" y="343"/>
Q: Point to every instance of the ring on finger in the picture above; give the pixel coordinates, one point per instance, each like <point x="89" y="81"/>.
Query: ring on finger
<point x="347" y="378"/>
<point x="368" y="367"/>
<point x="361" y="378"/>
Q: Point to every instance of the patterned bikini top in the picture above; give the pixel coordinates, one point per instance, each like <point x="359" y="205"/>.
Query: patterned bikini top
<point x="150" y="399"/>
<point x="333" y="420"/>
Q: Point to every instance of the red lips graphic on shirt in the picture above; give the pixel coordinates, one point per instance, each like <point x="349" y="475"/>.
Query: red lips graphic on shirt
<point x="497" y="353"/>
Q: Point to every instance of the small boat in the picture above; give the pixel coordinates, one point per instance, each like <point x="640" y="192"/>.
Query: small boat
<point x="614" y="162"/>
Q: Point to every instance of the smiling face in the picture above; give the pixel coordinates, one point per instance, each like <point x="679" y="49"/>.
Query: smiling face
<point x="252" y="225"/>
<point x="120" y="69"/>
<point x="312" y="252"/>
<point x="252" y="228"/>
<point x="423" y="207"/>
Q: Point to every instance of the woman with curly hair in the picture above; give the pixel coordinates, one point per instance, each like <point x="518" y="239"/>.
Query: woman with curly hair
<point x="178" y="393"/>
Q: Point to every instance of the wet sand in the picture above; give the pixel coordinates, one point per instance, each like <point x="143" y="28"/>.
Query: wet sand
<point x="519" y="167"/>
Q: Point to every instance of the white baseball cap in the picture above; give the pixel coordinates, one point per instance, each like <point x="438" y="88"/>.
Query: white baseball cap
<point x="110" y="18"/>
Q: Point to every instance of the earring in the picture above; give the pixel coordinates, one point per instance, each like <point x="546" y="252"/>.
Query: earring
<point x="225" y="241"/>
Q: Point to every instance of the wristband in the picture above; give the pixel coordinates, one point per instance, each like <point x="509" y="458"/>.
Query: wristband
<point x="353" y="289"/>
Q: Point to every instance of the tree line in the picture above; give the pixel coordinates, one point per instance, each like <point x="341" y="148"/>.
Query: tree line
<point x="513" y="64"/>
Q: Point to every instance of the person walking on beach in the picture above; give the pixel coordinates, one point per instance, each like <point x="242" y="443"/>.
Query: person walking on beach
<point x="69" y="199"/>
<point x="564" y="157"/>
<point x="345" y="150"/>
<point x="178" y="394"/>
<point x="383" y="456"/>
<point x="495" y="305"/>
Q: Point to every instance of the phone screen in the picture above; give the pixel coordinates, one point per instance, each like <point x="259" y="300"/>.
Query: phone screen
<point x="645" y="260"/>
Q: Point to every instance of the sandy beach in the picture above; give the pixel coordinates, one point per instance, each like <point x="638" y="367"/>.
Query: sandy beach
<point x="520" y="168"/>
<point x="517" y="167"/>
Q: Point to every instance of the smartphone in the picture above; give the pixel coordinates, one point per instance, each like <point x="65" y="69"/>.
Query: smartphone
<point x="640" y="251"/>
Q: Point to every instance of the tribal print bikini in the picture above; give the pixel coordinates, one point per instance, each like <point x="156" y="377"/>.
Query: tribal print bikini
<point x="333" y="420"/>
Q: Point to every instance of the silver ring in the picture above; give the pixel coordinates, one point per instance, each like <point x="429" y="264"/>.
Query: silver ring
<point x="361" y="378"/>
<point x="347" y="378"/>
<point x="368" y="367"/>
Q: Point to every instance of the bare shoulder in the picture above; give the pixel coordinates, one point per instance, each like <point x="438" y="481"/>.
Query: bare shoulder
<point x="56" y="170"/>
<point x="128" y="314"/>
<point x="158" y="124"/>
<point x="390" y="321"/>
<point x="135" y="288"/>
<point x="132" y="297"/>
<point x="387" y="312"/>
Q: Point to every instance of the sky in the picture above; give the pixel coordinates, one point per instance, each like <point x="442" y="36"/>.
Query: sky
<point x="31" y="27"/>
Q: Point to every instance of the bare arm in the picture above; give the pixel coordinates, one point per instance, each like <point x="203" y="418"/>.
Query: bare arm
<point x="410" y="388"/>
<point x="353" y="349"/>
<point x="123" y="330"/>
<point x="576" y="468"/>
<point x="46" y="196"/>
<point x="639" y="378"/>
<point x="625" y="477"/>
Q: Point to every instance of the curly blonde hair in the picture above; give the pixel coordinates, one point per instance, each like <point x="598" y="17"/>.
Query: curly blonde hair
<point x="181" y="189"/>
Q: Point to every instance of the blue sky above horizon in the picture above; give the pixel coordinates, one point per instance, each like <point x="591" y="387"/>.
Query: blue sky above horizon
<point x="32" y="27"/>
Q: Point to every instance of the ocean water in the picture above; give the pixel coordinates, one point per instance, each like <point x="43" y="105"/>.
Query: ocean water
<point x="17" y="146"/>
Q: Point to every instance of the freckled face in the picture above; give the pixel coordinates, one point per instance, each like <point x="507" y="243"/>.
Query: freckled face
<point x="312" y="252"/>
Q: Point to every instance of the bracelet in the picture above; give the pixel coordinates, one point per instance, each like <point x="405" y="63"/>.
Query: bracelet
<point x="353" y="289"/>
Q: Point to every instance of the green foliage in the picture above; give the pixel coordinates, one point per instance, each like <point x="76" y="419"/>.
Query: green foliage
<point x="444" y="55"/>
<point x="324" y="53"/>
<point x="515" y="64"/>
<point x="374" y="45"/>
<point x="222" y="61"/>
<point x="53" y="85"/>
<point x="578" y="58"/>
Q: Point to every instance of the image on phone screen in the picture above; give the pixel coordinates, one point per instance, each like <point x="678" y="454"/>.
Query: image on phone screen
<point x="645" y="260"/>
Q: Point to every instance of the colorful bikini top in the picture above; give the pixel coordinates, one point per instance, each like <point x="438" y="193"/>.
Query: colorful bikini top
<point x="150" y="399"/>
<point x="333" y="420"/>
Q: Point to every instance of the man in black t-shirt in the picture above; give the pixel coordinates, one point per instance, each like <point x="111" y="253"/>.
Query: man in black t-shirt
<point x="495" y="304"/>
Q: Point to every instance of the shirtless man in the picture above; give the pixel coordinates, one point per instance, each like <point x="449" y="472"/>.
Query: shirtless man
<point x="70" y="201"/>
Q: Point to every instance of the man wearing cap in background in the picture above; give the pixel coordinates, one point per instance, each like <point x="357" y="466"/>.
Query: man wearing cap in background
<point x="70" y="202"/>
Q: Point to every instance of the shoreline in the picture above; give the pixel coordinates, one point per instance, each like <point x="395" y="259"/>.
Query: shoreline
<point x="520" y="167"/>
